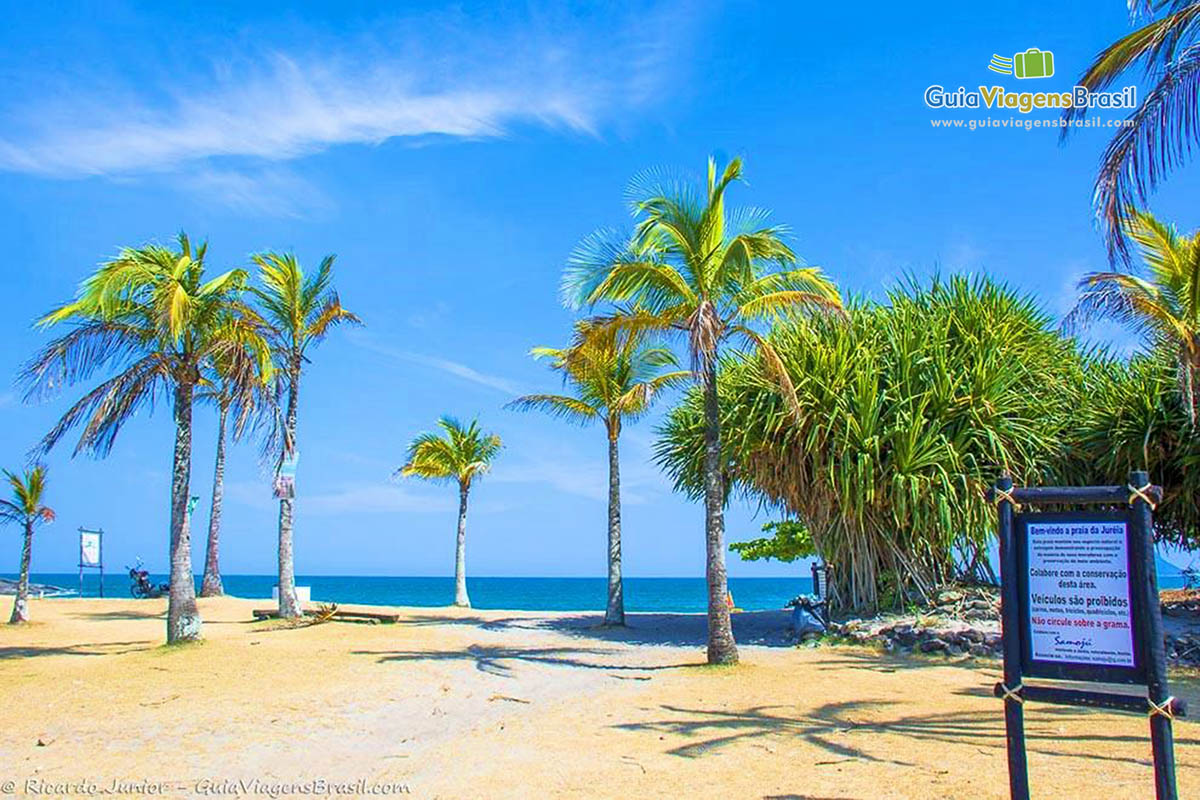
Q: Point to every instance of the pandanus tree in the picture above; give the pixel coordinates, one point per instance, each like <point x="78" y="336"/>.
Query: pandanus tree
<point x="911" y="408"/>
<point x="150" y="316"/>
<point x="25" y="509"/>
<point x="1164" y="129"/>
<point x="461" y="454"/>
<point x="1163" y="307"/>
<point x="615" y="378"/>
<point x="694" y="268"/>
<point x="299" y="312"/>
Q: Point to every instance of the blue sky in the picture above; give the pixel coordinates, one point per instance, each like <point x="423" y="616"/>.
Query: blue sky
<point x="451" y="157"/>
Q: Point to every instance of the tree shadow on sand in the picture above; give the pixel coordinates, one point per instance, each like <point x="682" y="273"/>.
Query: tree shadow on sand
<point x="498" y="660"/>
<point x="831" y="727"/>
<point x="761" y="628"/>
<point x="119" y="615"/>
<point x="90" y="649"/>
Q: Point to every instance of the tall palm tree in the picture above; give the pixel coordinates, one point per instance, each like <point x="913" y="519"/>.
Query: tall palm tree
<point x="1165" y="127"/>
<point x="299" y="313"/>
<point x="1163" y="307"/>
<point x="692" y="268"/>
<point x="150" y="316"/>
<point x="242" y="401"/>
<point x="25" y="509"/>
<point x="615" y="379"/>
<point x="461" y="454"/>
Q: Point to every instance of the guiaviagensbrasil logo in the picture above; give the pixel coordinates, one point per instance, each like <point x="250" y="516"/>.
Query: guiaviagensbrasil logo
<point x="1033" y="63"/>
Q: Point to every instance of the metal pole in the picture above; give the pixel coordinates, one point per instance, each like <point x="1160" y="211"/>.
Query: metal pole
<point x="1151" y="631"/>
<point x="1014" y="712"/>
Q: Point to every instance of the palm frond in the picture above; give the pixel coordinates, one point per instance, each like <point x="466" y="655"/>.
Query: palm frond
<point x="460" y="453"/>
<point x="1158" y="138"/>
<point x="568" y="408"/>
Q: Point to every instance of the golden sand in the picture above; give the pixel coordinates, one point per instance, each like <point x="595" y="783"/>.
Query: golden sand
<point x="452" y="703"/>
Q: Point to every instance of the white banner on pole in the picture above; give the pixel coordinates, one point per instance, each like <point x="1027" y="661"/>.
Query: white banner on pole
<point x="89" y="548"/>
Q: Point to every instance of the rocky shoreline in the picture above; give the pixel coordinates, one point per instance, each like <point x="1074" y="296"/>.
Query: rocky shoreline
<point x="965" y="622"/>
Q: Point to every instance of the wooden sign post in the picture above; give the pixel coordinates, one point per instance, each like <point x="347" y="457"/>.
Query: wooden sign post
<point x="1079" y="602"/>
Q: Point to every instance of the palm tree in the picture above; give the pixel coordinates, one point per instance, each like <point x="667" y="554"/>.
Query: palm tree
<point x="1164" y="308"/>
<point x="615" y="380"/>
<point x="243" y="401"/>
<point x="1165" y="127"/>
<point x="26" y="509"/>
<point x="691" y="268"/>
<point x="299" y="313"/>
<point x="150" y="316"/>
<point x="460" y="454"/>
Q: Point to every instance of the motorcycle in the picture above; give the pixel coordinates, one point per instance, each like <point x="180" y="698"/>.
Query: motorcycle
<point x="140" y="586"/>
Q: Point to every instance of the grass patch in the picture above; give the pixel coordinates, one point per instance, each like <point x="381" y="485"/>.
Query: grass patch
<point x="175" y="647"/>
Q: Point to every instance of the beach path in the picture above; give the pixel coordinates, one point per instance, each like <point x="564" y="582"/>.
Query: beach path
<point x="458" y="703"/>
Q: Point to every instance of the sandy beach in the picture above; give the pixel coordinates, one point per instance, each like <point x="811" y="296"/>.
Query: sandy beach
<point x="455" y="703"/>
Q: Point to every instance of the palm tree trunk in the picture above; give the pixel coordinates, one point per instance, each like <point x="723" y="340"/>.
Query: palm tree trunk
<point x="183" y="618"/>
<point x="289" y="604"/>
<point x="1189" y="391"/>
<point x="614" y="613"/>
<point x="20" y="609"/>
<point x="460" y="551"/>
<point x="211" y="585"/>
<point x="721" y="646"/>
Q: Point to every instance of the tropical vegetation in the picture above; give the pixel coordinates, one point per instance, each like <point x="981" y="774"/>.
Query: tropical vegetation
<point x="906" y="412"/>
<point x="1165" y="128"/>
<point x="152" y="320"/>
<point x="788" y="540"/>
<point x="26" y="509"/>
<point x="1163" y="308"/>
<point x="1132" y="415"/>
<point x="615" y="377"/>
<point x="298" y="313"/>
<point x="694" y="268"/>
<point x="461" y="454"/>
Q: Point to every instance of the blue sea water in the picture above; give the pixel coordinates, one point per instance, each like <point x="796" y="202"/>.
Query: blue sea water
<point x="524" y="594"/>
<point x="518" y="594"/>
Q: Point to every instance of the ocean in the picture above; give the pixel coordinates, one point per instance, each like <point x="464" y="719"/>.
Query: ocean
<point x="519" y="594"/>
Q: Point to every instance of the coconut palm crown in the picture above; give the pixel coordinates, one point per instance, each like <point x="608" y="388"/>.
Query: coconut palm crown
<point x="1163" y="307"/>
<point x="151" y="317"/>
<point x="693" y="267"/>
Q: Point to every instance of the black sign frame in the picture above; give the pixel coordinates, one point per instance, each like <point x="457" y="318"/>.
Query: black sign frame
<point x="1136" y="500"/>
<point x="1079" y="671"/>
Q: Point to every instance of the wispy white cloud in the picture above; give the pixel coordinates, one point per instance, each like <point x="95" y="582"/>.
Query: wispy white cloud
<point x="374" y="496"/>
<point x="379" y="498"/>
<point x="417" y="77"/>
<point x="273" y="192"/>
<point x="467" y="373"/>
<point x="568" y="471"/>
